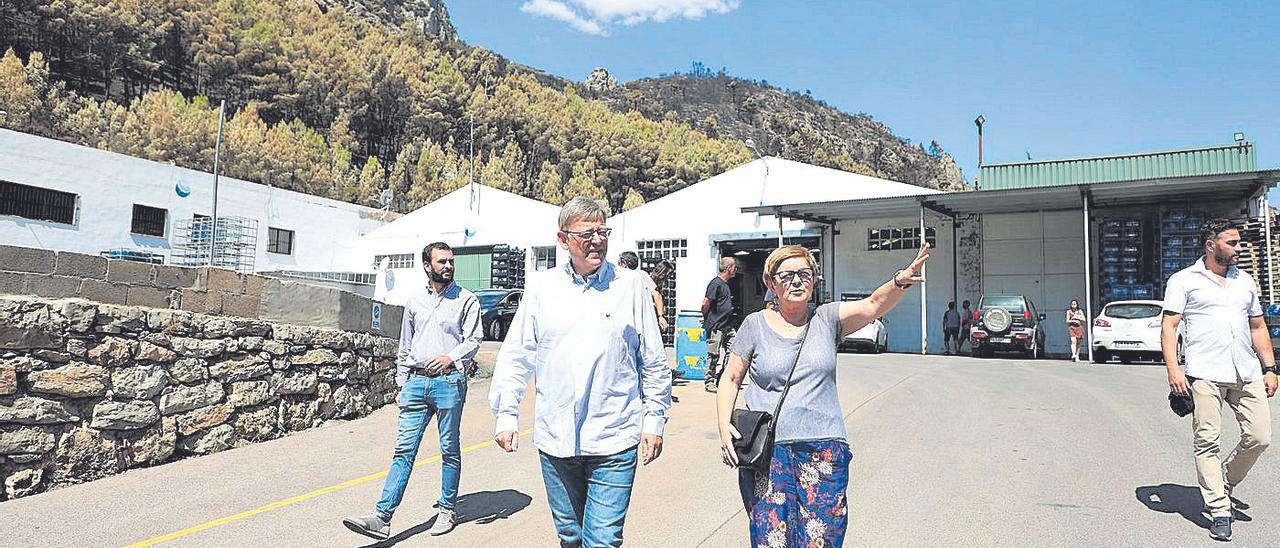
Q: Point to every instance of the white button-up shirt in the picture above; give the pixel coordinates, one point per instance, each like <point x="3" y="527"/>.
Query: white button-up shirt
<point x="1217" y="344"/>
<point x="594" y="347"/>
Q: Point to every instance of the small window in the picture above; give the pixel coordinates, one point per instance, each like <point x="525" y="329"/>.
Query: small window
<point x="889" y="239"/>
<point x="398" y="260"/>
<point x="40" y="204"/>
<point x="279" y="241"/>
<point x="544" y="258"/>
<point x="149" y="221"/>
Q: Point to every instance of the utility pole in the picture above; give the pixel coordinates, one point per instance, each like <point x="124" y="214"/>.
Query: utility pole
<point x="217" y="160"/>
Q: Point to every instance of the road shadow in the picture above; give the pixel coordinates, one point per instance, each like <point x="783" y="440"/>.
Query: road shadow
<point x="1169" y="498"/>
<point x="480" y="508"/>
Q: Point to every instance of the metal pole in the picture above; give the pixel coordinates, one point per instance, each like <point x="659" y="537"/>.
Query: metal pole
<point x="217" y="164"/>
<point x="1266" y="246"/>
<point x="471" y="156"/>
<point x="1088" y="283"/>
<point x="924" y="295"/>
<point x="778" y="213"/>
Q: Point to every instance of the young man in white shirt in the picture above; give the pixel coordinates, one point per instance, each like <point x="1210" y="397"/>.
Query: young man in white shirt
<point x="1228" y="359"/>
<point x="589" y="333"/>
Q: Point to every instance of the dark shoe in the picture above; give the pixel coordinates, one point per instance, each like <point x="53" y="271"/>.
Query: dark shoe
<point x="1220" y="529"/>
<point x="370" y="526"/>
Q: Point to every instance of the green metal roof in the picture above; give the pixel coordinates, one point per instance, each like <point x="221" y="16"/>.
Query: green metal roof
<point x="1234" y="158"/>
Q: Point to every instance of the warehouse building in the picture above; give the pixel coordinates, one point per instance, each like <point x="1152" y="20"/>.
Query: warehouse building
<point x="1095" y="229"/>
<point x="694" y="227"/>
<point x="66" y="197"/>
<point x="497" y="237"/>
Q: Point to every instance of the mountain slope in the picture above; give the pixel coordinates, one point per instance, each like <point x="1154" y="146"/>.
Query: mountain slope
<point x="785" y="124"/>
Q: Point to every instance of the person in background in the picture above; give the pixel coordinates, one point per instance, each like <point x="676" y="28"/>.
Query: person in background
<point x="801" y="499"/>
<point x="1075" y="328"/>
<point x="966" y="323"/>
<point x="951" y="329"/>
<point x="717" y="306"/>
<point x="629" y="260"/>
<point x="658" y="276"/>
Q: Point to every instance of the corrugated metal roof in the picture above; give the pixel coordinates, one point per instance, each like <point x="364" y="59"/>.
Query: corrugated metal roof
<point x="1235" y="158"/>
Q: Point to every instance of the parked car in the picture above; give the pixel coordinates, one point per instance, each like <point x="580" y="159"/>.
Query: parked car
<point x="1007" y="323"/>
<point x="1129" y="330"/>
<point x="497" y="308"/>
<point x="873" y="337"/>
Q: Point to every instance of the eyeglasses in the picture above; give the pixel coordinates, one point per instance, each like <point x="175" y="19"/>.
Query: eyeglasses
<point x="588" y="235"/>
<point x="786" y="276"/>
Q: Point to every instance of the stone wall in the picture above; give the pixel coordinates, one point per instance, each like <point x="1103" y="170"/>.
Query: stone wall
<point x="216" y="291"/>
<point x="89" y="389"/>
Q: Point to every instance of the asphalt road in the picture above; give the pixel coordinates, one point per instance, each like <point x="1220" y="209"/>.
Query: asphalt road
<point x="948" y="451"/>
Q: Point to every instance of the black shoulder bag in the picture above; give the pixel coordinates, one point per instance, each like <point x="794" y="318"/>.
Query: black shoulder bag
<point x="755" y="447"/>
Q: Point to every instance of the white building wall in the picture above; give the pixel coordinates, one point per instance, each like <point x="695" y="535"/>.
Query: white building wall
<point x="497" y="217"/>
<point x="857" y="269"/>
<point x="714" y="208"/>
<point x="1039" y="255"/>
<point x="107" y="186"/>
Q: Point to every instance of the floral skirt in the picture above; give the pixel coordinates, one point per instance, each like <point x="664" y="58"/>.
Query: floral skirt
<point x="801" y="501"/>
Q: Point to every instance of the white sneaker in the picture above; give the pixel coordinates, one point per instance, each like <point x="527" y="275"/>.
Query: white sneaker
<point x="444" y="523"/>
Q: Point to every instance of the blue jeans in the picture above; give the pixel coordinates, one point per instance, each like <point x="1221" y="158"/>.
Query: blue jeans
<point x="589" y="496"/>
<point x="420" y="398"/>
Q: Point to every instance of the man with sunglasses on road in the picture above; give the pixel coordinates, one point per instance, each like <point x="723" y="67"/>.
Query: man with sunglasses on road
<point x="1228" y="359"/>
<point x="589" y="334"/>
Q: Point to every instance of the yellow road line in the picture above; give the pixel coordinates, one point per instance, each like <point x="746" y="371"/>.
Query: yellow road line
<point x="295" y="500"/>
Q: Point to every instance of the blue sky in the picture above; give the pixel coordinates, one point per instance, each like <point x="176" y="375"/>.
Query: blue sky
<point x="1055" y="81"/>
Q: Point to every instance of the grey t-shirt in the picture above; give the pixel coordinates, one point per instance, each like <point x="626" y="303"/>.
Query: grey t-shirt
<point x="812" y="409"/>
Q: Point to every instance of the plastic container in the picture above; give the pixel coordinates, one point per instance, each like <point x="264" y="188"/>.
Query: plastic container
<point x="691" y="345"/>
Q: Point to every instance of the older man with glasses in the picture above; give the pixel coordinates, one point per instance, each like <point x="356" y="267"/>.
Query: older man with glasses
<point x="589" y="333"/>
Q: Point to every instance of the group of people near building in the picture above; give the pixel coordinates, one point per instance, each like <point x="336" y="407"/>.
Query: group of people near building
<point x="590" y="333"/>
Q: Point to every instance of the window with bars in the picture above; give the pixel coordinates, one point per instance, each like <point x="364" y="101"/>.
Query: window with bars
<point x="149" y="221"/>
<point x="279" y="241"/>
<point x="396" y="260"/>
<point x="889" y="239"/>
<point x="544" y="257"/>
<point x="662" y="249"/>
<point x="40" y="204"/>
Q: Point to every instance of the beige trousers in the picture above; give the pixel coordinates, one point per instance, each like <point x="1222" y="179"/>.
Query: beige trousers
<point x="1249" y="403"/>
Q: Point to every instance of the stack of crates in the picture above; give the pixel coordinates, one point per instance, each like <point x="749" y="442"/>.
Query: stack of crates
<point x="1179" y="239"/>
<point x="1272" y="316"/>
<point x="1122" y="261"/>
<point x="1253" y="255"/>
<point x="507" y="267"/>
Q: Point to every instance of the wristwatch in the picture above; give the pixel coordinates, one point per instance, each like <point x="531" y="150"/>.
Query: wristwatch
<point x="1269" y="369"/>
<point x="894" y="279"/>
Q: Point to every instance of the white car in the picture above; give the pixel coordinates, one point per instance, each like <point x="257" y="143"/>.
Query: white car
<point x="1128" y="330"/>
<point x="873" y="336"/>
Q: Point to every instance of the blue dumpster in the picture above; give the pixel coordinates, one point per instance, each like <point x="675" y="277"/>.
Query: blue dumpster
<point x="691" y="345"/>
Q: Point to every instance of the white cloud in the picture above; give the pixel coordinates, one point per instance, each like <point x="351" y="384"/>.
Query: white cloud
<point x="596" y="16"/>
<point x="558" y="10"/>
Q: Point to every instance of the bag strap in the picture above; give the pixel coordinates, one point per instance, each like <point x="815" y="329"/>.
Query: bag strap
<point x="787" y="387"/>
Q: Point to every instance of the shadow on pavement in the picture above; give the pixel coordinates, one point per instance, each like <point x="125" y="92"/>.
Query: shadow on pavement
<point x="1184" y="500"/>
<point x="480" y="507"/>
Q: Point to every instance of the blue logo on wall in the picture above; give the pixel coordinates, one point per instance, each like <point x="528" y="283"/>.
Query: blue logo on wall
<point x="182" y="189"/>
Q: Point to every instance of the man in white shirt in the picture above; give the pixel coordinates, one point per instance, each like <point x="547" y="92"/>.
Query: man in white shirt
<point x="1224" y="339"/>
<point x="589" y="333"/>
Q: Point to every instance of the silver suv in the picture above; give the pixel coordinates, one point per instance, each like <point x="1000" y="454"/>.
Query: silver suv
<point x="1007" y="323"/>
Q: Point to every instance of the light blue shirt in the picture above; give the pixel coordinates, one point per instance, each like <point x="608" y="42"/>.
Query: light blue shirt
<point x="594" y="346"/>
<point x="444" y="324"/>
